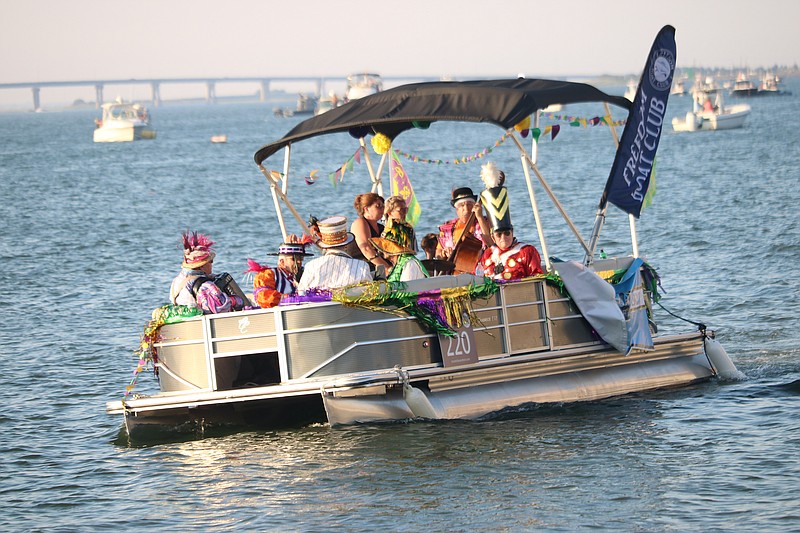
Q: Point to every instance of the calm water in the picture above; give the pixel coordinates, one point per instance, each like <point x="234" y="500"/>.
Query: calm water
<point x="89" y="243"/>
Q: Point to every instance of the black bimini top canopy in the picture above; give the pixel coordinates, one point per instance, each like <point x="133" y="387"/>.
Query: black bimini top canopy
<point x="501" y="102"/>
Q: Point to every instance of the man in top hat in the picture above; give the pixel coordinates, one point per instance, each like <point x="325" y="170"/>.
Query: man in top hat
<point x="507" y="259"/>
<point x="395" y="245"/>
<point x="195" y="286"/>
<point x="270" y="284"/>
<point x="465" y="203"/>
<point x="337" y="267"/>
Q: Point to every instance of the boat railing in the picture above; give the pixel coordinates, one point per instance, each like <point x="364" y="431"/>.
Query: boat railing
<point x="321" y="340"/>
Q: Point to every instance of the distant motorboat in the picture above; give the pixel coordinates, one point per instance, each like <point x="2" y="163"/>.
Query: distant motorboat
<point x="122" y="122"/>
<point x="771" y="85"/>
<point x="326" y="103"/>
<point x="630" y="91"/>
<point x="743" y="86"/>
<point x="678" y="88"/>
<point x="282" y="112"/>
<point x="219" y="138"/>
<point x="361" y="85"/>
<point x="709" y="113"/>
<point x="306" y="104"/>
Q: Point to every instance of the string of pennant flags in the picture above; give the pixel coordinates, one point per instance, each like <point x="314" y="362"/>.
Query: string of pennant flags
<point x="550" y="131"/>
<point x="584" y="122"/>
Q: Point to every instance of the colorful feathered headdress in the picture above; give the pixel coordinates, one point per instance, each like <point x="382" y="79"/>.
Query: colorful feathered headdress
<point x="196" y="249"/>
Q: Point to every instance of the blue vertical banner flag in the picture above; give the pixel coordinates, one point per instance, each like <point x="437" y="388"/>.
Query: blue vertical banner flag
<point x="634" y="162"/>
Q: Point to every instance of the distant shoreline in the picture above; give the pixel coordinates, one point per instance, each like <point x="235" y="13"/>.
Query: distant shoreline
<point x="287" y="98"/>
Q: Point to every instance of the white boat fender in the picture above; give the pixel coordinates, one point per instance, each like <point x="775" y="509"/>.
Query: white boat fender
<point x="419" y="404"/>
<point x="719" y="358"/>
<point x="417" y="401"/>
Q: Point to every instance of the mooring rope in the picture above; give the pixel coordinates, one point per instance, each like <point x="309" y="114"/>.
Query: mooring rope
<point x="700" y="325"/>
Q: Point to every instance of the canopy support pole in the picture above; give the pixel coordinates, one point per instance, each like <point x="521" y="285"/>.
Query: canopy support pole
<point x="550" y="193"/>
<point x="287" y="155"/>
<point x="278" y="193"/>
<point x="377" y="186"/>
<point x="532" y="194"/>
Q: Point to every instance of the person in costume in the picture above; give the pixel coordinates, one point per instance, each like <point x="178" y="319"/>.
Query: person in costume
<point x="396" y="211"/>
<point x="465" y="203"/>
<point x="337" y="267"/>
<point x="507" y="259"/>
<point x="370" y="209"/>
<point x="270" y="284"/>
<point x="394" y="245"/>
<point x="195" y="286"/>
<point x="429" y="243"/>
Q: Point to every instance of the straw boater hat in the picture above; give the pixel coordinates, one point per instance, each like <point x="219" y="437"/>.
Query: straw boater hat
<point x="333" y="232"/>
<point x="395" y="239"/>
<point x="196" y="250"/>
<point x="462" y="193"/>
<point x="292" y="248"/>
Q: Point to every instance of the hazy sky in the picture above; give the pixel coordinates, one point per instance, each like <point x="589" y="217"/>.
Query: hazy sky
<point x="54" y="40"/>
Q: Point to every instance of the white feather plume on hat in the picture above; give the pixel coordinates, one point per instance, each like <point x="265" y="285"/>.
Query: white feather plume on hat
<point x="490" y="175"/>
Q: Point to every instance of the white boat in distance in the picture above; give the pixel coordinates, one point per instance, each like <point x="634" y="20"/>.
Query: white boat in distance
<point x="709" y="113"/>
<point x="771" y="85"/>
<point x="326" y="103"/>
<point x="743" y="87"/>
<point x="630" y="89"/>
<point x="122" y="122"/>
<point x="678" y="87"/>
<point x="361" y="85"/>
<point x="383" y="352"/>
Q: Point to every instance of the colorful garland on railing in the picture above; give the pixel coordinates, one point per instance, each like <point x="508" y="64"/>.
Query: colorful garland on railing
<point x="147" y="353"/>
<point x="439" y="311"/>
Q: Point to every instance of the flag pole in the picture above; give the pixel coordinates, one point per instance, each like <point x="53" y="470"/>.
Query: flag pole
<point x="532" y="194"/>
<point x="632" y="170"/>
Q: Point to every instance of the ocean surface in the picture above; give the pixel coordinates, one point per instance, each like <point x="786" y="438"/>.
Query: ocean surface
<point x="89" y="241"/>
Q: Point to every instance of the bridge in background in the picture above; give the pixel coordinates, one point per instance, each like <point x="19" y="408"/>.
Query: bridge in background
<point x="210" y="83"/>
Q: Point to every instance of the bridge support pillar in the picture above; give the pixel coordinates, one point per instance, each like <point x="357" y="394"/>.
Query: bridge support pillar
<point x="155" y="91"/>
<point x="98" y="96"/>
<point x="36" y="102"/>
<point x="262" y="97"/>
<point x="211" y="93"/>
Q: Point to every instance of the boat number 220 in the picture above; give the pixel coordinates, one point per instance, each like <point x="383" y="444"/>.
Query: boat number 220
<point x="458" y="345"/>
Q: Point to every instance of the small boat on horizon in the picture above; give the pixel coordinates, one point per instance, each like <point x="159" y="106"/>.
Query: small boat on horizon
<point x="306" y="104"/>
<point x="630" y="90"/>
<point x="361" y="85"/>
<point x="123" y="121"/>
<point x="710" y="113"/>
<point x="771" y="85"/>
<point x="326" y="103"/>
<point x="743" y="87"/>
<point x="678" y="87"/>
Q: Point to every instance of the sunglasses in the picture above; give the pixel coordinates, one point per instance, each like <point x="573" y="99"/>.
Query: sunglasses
<point x="503" y="232"/>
